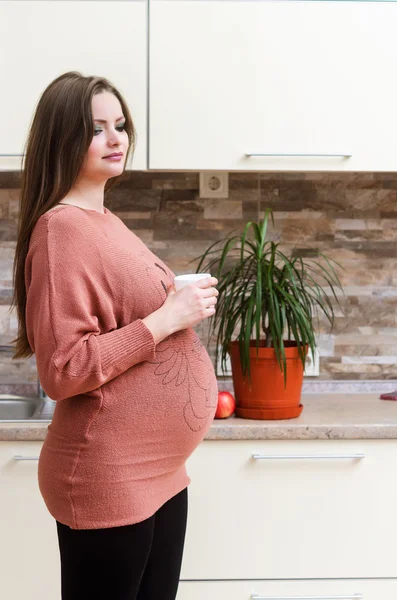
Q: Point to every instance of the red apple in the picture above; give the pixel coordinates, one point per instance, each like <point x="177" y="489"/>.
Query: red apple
<point x="226" y="405"/>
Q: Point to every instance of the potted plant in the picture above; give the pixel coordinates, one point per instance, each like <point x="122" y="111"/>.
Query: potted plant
<point x="265" y="296"/>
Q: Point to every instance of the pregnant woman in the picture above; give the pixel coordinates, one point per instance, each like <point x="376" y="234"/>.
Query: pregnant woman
<point x="135" y="389"/>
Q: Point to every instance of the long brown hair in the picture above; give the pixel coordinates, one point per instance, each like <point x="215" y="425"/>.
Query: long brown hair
<point x="58" y="139"/>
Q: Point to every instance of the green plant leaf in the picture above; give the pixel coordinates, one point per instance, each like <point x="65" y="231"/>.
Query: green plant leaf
<point x="264" y="291"/>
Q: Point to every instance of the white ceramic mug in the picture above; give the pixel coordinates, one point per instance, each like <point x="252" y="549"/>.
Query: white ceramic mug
<point x="181" y="280"/>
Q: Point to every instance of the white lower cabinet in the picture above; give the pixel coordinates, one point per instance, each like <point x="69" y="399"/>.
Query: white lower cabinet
<point x="356" y="589"/>
<point x="267" y="520"/>
<point x="302" y="509"/>
<point x="29" y="556"/>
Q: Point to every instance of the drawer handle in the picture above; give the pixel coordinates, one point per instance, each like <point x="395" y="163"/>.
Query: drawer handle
<point x="349" y="597"/>
<point x="11" y="155"/>
<point x="316" y="456"/>
<point x="342" y="154"/>
<point x="19" y="457"/>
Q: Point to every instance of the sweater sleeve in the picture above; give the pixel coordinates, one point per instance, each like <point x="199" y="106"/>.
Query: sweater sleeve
<point x="64" y="308"/>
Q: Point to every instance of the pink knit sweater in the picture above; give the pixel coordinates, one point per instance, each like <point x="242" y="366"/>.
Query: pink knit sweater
<point x="129" y="412"/>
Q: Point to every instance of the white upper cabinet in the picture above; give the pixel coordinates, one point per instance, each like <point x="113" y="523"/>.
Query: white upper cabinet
<point x="40" y="40"/>
<point x="233" y="84"/>
<point x="272" y="85"/>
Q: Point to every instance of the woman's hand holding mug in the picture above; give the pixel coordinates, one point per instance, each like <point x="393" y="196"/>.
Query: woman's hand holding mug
<point x="191" y="299"/>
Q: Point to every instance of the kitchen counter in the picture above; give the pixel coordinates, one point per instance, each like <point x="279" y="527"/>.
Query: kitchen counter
<point x="324" y="416"/>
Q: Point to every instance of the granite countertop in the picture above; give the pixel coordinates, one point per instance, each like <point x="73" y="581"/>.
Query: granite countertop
<point x="324" y="416"/>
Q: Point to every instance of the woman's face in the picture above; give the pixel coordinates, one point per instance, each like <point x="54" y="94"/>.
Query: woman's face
<point x="109" y="137"/>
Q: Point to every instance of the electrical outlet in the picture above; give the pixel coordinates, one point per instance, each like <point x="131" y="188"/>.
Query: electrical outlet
<point x="214" y="184"/>
<point x="228" y="371"/>
<point x="312" y="366"/>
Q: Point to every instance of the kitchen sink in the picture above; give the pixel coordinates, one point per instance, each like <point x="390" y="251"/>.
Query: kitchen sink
<point x="20" y="408"/>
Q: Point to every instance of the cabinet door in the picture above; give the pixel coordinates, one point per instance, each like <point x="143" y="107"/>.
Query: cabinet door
<point x="40" y="40"/>
<point x="301" y="509"/>
<point x="288" y="590"/>
<point x="273" y="85"/>
<point x="230" y="78"/>
<point x="29" y="555"/>
<point x="374" y="52"/>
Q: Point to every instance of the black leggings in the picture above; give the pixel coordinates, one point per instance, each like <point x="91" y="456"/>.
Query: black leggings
<point x="132" y="562"/>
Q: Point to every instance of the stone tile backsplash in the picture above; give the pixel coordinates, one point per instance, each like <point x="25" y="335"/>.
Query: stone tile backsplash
<point x="351" y="217"/>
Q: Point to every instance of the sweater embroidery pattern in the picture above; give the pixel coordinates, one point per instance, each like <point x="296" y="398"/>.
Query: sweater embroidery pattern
<point x="182" y="359"/>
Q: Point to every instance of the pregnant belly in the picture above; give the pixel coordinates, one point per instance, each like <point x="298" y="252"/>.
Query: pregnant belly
<point x="155" y="414"/>
<point x="151" y="418"/>
<point x="182" y="363"/>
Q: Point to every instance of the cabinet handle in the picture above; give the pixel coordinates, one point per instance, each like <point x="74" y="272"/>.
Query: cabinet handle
<point x="319" y="456"/>
<point x="19" y="457"/>
<point x="342" y="154"/>
<point x="7" y="155"/>
<point x="349" y="597"/>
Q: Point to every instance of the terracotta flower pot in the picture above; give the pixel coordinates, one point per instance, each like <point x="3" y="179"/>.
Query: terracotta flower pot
<point x="267" y="398"/>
